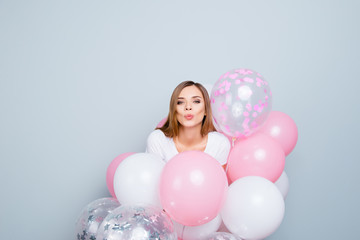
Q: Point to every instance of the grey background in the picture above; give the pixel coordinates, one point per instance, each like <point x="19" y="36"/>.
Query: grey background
<point x="84" y="81"/>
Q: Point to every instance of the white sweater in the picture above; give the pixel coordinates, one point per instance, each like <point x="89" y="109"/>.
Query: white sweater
<point x="218" y="146"/>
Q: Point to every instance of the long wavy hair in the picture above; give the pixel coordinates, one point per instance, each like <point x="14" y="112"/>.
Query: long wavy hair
<point x="171" y="126"/>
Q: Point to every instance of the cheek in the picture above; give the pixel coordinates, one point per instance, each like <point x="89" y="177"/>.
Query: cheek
<point x="201" y="109"/>
<point x="178" y="110"/>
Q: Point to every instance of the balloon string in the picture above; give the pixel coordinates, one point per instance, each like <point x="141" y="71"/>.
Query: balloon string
<point x="182" y="233"/>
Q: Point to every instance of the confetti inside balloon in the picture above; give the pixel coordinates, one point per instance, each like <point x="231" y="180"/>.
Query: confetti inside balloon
<point x="240" y="102"/>
<point x="92" y="216"/>
<point x="137" y="222"/>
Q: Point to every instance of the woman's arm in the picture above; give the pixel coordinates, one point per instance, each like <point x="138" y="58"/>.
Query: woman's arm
<point x="154" y="143"/>
<point x="222" y="148"/>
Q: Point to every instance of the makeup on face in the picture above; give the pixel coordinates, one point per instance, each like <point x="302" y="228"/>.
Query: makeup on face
<point x="190" y="107"/>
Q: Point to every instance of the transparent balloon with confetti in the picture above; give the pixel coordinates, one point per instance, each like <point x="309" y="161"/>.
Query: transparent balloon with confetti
<point x="92" y="216"/>
<point x="137" y="222"/>
<point x="241" y="101"/>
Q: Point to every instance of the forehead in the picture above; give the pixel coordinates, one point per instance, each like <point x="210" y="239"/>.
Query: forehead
<point x="190" y="91"/>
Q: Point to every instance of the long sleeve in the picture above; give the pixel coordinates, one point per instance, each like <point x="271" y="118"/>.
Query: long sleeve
<point x="154" y="143"/>
<point x="219" y="147"/>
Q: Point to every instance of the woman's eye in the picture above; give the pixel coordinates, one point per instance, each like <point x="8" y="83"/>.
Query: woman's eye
<point x="179" y="102"/>
<point x="197" y="101"/>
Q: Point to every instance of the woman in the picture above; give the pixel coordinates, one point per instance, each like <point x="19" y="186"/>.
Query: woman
<point x="189" y="126"/>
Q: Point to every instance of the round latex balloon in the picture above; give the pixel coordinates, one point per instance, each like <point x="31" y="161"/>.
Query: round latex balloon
<point x="193" y="188"/>
<point x="197" y="232"/>
<point x="92" y="216"/>
<point x="240" y="102"/>
<point x="283" y="184"/>
<point x="257" y="155"/>
<point x="137" y="179"/>
<point x="254" y="208"/>
<point x="161" y="123"/>
<point x="137" y="222"/>
<point x="283" y="129"/>
<point x="111" y="171"/>
<point x="222" y="236"/>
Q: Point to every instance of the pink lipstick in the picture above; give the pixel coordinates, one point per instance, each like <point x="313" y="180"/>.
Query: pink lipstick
<point x="189" y="116"/>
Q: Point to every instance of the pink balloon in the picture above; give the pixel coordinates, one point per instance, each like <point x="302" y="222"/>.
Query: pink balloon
<point x="193" y="188"/>
<point x="257" y="155"/>
<point x="283" y="129"/>
<point x="161" y="123"/>
<point x="112" y="169"/>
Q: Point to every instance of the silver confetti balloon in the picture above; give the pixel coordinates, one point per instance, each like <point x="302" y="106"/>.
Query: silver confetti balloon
<point x="137" y="222"/>
<point x="92" y="216"/>
<point x="222" y="236"/>
<point x="240" y="102"/>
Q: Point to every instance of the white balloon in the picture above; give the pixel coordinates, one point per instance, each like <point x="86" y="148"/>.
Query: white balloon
<point x="283" y="184"/>
<point x="222" y="236"/>
<point x="254" y="208"/>
<point x="137" y="179"/>
<point x="197" y="232"/>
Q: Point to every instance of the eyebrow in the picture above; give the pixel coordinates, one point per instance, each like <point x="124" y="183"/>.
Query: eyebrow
<point x="191" y="97"/>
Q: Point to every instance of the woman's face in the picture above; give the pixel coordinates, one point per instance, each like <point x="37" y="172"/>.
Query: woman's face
<point x="190" y="108"/>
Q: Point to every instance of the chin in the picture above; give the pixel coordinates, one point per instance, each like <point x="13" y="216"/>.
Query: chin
<point x="189" y="124"/>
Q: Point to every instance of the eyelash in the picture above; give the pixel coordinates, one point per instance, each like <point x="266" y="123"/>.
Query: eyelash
<point x="196" y="101"/>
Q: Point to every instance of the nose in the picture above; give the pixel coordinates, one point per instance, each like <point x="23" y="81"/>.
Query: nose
<point x="188" y="107"/>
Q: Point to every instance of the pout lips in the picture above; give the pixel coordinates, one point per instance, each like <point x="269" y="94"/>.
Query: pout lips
<point x="189" y="116"/>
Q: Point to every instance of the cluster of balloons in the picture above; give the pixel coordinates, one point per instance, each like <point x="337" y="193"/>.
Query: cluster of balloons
<point x="191" y="197"/>
<point x="105" y="218"/>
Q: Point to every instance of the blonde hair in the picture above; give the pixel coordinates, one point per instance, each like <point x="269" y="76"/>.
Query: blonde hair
<point x="171" y="126"/>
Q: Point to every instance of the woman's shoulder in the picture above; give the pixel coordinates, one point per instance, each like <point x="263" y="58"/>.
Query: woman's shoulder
<point x="157" y="134"/>
<point x="161" y="145"/>
<point x="218" y="146"/>
<point x="217" y="138"/>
